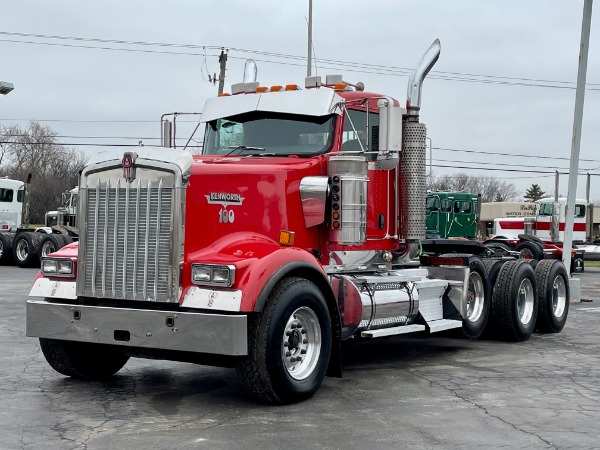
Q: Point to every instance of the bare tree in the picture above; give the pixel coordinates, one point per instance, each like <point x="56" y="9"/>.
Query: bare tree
<point x="491" y="189"/>
<point x="36" y="150"/>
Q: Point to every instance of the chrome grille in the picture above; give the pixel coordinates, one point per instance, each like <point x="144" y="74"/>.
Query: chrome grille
<point x="127" y="239"/>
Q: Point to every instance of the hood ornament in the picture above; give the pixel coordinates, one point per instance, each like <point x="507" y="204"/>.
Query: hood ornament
<point x="128" y="164"/>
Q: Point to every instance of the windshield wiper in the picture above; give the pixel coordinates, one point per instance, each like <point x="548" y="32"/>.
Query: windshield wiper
<point x="244" y="148"/>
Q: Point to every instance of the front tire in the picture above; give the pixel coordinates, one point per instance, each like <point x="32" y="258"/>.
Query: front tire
<point x="289" y="344"/>
<point x="553" y="296"/>
<point x="514" y="306"/>
<point x="82" y="360"/>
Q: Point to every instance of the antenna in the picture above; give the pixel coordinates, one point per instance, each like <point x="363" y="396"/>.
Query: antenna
<point x="308" y="58"/>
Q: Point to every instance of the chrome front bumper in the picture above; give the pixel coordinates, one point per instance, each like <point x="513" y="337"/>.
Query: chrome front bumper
<point x="167" y="330"/>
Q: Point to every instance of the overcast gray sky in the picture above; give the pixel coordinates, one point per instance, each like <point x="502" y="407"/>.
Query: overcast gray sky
<point x="488" y="94"/>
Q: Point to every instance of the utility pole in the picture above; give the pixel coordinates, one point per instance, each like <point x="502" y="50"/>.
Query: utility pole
<point x="577" y="123"/>
<point x="309" y="57"/>
<point x="223" y="65"/>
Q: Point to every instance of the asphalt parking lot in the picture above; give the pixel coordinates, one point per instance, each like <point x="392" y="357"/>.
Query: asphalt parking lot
<point x="410" y="392"/>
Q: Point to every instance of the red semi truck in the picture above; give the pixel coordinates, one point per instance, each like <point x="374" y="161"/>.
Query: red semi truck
<point x="299" y="227"/>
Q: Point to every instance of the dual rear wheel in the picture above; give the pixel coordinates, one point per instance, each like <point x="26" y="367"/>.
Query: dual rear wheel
<point x="522" y="297"/>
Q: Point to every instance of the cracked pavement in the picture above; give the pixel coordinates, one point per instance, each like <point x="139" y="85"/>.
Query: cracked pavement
<point x="408" y="392"/>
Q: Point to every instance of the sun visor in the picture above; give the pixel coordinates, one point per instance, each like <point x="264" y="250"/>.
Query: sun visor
<point x="316" y="102"/>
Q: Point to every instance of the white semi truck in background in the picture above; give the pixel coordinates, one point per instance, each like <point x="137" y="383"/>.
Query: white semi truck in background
<point x="23" y="245"/>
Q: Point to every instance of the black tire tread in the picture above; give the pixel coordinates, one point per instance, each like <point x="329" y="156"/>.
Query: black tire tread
<point x="503" y="302"/>
<point x="544" y="322"/>
<point x="252" y="369"/>
<point x="7" y="252"/>
<point x="82" y="360"/>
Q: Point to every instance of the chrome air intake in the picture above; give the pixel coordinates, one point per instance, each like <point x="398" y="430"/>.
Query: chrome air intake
<point x="348" y="175"/>
<point x="414" y="172"/>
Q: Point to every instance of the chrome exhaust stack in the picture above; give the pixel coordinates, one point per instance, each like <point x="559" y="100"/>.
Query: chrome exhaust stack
<point x="415" y="82"/>
<point x="414" y="151"/>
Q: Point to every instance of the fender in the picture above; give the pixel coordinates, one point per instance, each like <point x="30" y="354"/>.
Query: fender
<point x="260" y="264"/>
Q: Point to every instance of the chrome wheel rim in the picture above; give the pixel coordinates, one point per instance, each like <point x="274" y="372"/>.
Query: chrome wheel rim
<point x="476" y="297"/>
<point x="301" y="344"/>
<point x="48" y="248"/>
<point x="559" y="296"/>
<point x="22" y="250"/>
<point x="525" y="301"/>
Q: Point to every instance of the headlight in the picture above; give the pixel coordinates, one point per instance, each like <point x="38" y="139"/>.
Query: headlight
<point x="54" y="267"/>
<point x="213" y="275"/>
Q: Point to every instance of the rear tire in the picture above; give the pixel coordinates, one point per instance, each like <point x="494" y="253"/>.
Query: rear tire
<point x="514" y="305"/>
<point x="553" y="296"/>
<point x="49" y="244"/>
<point x="294" y="324"/>
<point x="479" y="300"/>
<point x="26" y="248"/>
<point x="83" y="360"/>
<point x="6" y="251"/>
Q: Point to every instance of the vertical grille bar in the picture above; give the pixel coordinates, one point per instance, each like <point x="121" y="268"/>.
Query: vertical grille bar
<point x="135" y="245"/>
<point x="157" y="247"/>
<point x="95" y="252"/>
<point x="126" y="239"/>
<point x="146" y="240"/>
<point x="105" y="243"/>
<point x="115" y="237"/>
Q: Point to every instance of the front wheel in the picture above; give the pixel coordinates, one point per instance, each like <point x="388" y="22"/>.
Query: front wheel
<point x="82" y="360"/>
<point x="289" y="344"/>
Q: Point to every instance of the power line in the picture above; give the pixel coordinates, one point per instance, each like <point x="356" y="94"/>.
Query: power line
<point x="512" y="155"/>
<point x="350" y="66"/>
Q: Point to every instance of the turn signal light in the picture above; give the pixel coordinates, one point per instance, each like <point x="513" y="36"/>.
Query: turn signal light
<point x="286" y="237"/>
<point x="336" y="215"/>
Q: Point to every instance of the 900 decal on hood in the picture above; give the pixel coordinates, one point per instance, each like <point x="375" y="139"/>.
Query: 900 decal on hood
<point x="225" y="199"/>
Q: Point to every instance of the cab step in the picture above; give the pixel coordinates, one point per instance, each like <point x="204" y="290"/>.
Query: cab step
<point x="403" y="329"/>
<point x="443" y="324"/>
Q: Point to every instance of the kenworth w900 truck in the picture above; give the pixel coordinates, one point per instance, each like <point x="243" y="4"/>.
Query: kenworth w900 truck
<point x="300" y="226"/>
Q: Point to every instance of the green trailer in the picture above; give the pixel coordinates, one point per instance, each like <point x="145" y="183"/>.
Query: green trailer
<point x="452" y="214"/>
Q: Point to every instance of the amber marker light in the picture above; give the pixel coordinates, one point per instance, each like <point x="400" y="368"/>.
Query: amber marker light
<point x="286" y="237"/>
<point x="262" y="89"/>
<point x="336" y="215"/>
<point x="340" y="86"/>
<point x="291" y="87"/>
<point x="335" y="225"/>
<point x="276" y="88"/>
<point x="224" y="94"/>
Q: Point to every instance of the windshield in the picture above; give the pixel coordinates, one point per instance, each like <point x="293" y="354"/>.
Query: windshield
<point x="269" y="134"/>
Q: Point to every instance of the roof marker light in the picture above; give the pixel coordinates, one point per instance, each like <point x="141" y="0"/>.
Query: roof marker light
<point x="292" y="87"/>
<point x="261" y="89"/>
<point x="276" y="88"/>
